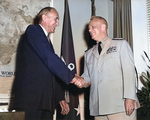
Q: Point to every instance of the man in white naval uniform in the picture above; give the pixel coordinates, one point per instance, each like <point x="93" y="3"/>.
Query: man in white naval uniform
<point x="111" y="75"/>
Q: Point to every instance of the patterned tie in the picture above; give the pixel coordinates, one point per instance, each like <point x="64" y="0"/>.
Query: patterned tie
<point x="99" y="47"/>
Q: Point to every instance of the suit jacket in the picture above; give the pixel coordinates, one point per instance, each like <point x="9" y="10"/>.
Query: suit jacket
<point x="112" y="76"/>
<point x="37" y="66"/>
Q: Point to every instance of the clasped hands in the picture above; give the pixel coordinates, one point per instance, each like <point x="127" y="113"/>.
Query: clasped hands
<point x="78" y="81"/>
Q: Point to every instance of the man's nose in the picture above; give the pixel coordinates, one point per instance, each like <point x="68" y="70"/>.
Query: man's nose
<point x="90" y="29"/>
<point x="57" y="23"/>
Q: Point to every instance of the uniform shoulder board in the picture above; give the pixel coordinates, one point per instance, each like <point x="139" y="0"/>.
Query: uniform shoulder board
<point x="88" y="49"/>
<point x="117" y="39"/>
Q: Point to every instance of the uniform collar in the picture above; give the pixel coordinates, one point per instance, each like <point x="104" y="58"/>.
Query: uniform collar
<point x="105" y="45"/>
<point x="103" y="42"/>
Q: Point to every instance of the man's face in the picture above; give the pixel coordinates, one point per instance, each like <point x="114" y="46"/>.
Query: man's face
<point x="52" y="21"/>
<point x="95" y="29"/>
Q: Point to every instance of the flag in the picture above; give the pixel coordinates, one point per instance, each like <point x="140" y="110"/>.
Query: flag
<point x="67" y="48"/>
<point x="68" y="56"/>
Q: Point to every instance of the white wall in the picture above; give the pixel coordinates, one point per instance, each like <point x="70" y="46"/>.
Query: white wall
<point x="104" y="8"/>
<point x="140" y="37"/>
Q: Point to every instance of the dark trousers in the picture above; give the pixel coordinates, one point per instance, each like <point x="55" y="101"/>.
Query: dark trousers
<point x="37" y="114"/>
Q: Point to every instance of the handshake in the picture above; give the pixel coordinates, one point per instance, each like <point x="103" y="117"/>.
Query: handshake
<point x="78" y="81"/>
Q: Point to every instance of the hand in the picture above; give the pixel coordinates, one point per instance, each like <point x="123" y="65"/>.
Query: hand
<point x="64" y="107"/>
<point x="129" y="105"/>
<point x="78" y="81"/>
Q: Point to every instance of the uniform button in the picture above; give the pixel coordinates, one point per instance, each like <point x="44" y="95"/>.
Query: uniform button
<point x="100" y="81"/>
<point x="99" y="71"/>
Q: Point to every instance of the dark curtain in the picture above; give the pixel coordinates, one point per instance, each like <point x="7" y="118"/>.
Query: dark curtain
<point x="123" y="20"/>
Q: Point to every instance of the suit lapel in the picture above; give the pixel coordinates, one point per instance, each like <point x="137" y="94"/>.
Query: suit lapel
<point x="95" y="51"/>
<point x="38" y="26"/>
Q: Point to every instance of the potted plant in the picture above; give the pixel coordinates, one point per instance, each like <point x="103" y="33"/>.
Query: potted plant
<point x="143" y="94"/>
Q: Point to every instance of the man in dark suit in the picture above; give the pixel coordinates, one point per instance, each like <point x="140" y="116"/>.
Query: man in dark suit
<point x="36" y="89"/>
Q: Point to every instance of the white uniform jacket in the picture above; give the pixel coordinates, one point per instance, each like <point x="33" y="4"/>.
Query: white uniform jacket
<point x="112" y="76"/>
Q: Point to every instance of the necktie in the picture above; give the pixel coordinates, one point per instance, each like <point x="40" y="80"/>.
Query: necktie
<point x="48" y="38"/>
<point x="50" y="42"/>
<point x="99" y="47"/>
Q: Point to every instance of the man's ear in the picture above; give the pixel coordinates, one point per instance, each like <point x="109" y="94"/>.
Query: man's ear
<point x="43" y="17"/>
<point x="104" y="27"/>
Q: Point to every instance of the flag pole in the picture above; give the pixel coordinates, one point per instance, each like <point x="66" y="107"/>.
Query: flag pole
<point x="93" y="7"/>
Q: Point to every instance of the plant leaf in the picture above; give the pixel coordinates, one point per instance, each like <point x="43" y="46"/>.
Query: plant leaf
<point x="146" y="56"/>
<point x="142" y="80"/>
<point x="147" y="73"/>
